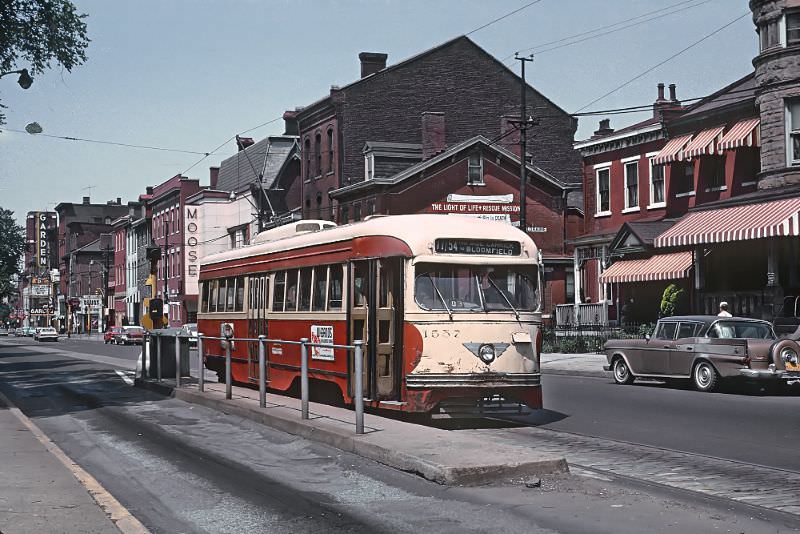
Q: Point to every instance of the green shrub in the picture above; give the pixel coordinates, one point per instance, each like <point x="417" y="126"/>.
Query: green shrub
<point x="670" y="300"/>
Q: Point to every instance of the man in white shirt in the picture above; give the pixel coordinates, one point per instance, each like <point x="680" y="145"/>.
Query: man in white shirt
<point x="723" y="310"/>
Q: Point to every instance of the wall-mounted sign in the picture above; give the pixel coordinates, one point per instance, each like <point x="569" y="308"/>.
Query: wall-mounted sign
<point x="191" y="234"/>
<point x="40" y="290"/>
<point x="42" y="310"/>
<point x="42" y="242"/>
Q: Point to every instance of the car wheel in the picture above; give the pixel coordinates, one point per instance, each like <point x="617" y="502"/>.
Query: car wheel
<point x="622" y="374"/>
<point x="705" y="377"/>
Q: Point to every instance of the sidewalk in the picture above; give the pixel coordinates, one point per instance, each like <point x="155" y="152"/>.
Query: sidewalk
<point x="38" y="492"/>
<point x="554" y="363"/>
<point x="438" y="455"/>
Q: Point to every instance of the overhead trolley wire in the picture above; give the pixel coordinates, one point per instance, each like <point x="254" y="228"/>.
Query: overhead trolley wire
<point x="662" y="62"/>
<point x="498" y="19"/>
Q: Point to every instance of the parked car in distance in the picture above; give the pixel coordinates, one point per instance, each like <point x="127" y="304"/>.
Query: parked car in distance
<point x="131" y="335"/>
<point x="190" y="330"/>
<point x="19" y="332"/>
<point x="705" y="349"/>
<point x="29" y="331"/>
<point x="46" y="333"/>
<point x="3" y="331"/>
<point x="111" y="335"/>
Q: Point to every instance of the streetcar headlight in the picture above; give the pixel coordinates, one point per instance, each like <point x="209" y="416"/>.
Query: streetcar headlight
<point x="486" y="353"/>
<point x="789" y="355"/>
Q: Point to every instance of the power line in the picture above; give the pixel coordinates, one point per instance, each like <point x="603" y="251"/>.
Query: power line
<point x="196" y="163"/>
<point x="608" y="26"/>
<point x="670" y="58"/>
<point x="498" y="19"/>
<point x="113" y="143"/>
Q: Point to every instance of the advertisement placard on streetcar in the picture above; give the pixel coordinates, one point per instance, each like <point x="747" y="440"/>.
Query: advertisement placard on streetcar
<point x="322" y="334"/>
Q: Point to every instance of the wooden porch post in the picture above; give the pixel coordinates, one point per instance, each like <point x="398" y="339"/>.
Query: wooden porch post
<point x="698" y="263"/>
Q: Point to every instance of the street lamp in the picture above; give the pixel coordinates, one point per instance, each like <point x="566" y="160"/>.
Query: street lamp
<point x="24" y="80"/>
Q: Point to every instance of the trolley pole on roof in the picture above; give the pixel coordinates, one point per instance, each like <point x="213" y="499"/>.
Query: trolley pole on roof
<point x="523" y="131"/>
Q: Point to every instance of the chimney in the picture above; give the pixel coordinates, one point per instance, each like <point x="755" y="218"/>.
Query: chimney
<point x="148" y="190"/>
<point x="87" y="200"/>
<point x="509" y="132"/>
<point x="119" y="201"/>
<point x="604" y="129"/>
<point x="432" y="133"/>
<point x="664" y="109"/>
<point x="290" y="125"/>
<point x="371" y="62"/>
<point x="243" y="142"/>
<point x="213" y="177"/>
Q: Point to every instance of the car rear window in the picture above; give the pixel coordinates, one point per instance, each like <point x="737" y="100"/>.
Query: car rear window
<point x="688" y="330"/>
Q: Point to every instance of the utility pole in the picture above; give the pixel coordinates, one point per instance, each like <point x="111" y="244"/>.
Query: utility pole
<point x="523" y="131"/>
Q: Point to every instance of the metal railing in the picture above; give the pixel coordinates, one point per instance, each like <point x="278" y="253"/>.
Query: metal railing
<point x="586" y="314"/>
<point x="357" y="347"/>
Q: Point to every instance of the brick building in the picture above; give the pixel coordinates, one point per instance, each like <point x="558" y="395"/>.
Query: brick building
<point x="476" y="93"/>
<point x="118" y="275"/>
<point x="168" y="207"/>
<point x="80" y="225"/>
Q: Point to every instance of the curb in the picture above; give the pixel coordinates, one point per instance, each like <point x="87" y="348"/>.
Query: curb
<point x="322" y="431"/>
<point x="578" y="372"/>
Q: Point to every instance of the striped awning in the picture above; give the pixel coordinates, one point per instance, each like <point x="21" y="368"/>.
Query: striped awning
<point x="737" y="223"/>
<point x="659" y="267"/>
<point x="704" y="143"/>
<point x="743" y="133"/>
<point x="673" y="150"/>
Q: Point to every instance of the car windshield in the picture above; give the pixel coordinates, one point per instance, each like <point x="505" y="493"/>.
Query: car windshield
<point x="476" y="288"/>
<point x="133" y="329"/>
<point x="741" y="330"/>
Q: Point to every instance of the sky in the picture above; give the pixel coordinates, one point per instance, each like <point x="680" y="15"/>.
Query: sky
<point x="189" y="74"/>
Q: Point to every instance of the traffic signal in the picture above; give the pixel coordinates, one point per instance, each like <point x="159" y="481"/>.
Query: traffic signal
<point x="156" y="310"/>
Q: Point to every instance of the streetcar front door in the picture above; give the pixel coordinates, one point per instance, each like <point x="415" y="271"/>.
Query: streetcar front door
<point x="376" y="318"/>
<point x="257" y="298"/>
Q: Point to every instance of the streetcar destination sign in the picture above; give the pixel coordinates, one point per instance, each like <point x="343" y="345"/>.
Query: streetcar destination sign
<point x="475" y="246"/>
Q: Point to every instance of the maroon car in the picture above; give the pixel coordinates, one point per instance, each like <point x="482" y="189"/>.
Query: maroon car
<point x="705" y="349"/>
<point x="110" y="335"/>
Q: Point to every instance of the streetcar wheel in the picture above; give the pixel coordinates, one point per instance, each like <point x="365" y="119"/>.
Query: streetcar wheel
<point x="705" y="377"/>
<point x="622" y="374"/>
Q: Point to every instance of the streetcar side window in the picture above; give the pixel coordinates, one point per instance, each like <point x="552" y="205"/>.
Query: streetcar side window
<point x="239" y="302"/>
<point x="212" y="306"/>
<point x="204" y="297"/>
<point x="278" y="297"/>
<point x="305" y="289"/>
<point x="291" y="291"/>
<point x="320" y="283"/>
<point x="231" y="289"/>
<point x="335" y="288"/>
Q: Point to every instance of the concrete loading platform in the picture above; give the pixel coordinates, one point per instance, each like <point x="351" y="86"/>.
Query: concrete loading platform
<point x="444" y="457"/>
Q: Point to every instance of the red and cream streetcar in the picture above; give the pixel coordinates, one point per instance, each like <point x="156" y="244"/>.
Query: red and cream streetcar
<point x="447" y="307"/>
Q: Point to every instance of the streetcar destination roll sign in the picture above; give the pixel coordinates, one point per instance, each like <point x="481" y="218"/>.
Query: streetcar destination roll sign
<point x="477" y="246"/>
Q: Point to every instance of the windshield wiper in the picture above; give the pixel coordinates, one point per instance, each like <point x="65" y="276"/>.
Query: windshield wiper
<point x="489" y="277"/>
<point x="480" y="294"/>
<point x="441" y="297"/>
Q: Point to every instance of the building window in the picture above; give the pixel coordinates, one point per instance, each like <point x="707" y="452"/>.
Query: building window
<point x="683" y="177"/>
<point x="793" y="130"/>
<point x="319" y="204"/>
<point x="307" y="150"/>
<point x="357" y="211"/>
<point x="570" y="286"/>
<point x="632" y="184"/>
<point x="656" y="183"/>
<point x="769" y="34"/>
<point x="371" y="207"/>
<point x="318" y="154"/>
<point x="475" y="171"/>
<point x="715" y="177"/>
<point x="330" y="150"/>
<point x="603" y="190"/>
<point x="793" y="28"/>
<point x="345" y="215"/>
<point x="369" y="166"/>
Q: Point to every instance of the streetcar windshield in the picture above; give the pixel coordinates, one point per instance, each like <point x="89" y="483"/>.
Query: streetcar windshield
<point x="476" y="288"/>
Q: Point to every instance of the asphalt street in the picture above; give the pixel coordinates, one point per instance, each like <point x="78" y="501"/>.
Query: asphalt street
<point x="183" y="468"/>
<point x="738" y="424"/>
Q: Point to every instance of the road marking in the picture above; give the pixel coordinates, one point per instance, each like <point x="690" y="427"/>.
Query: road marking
<point x="126" y="376"/>
<point x="119" y="515"/>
